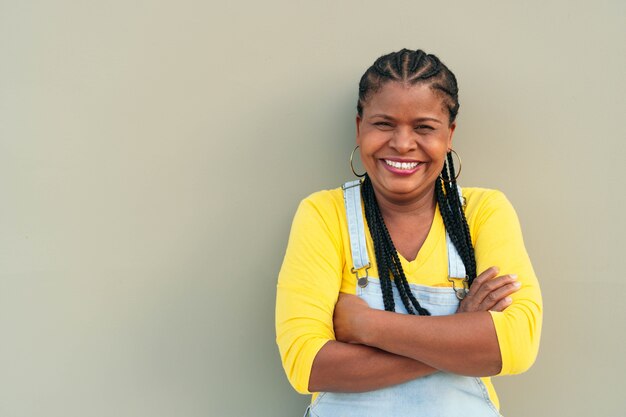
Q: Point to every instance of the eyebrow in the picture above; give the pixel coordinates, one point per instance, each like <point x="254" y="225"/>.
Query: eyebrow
<point x="419" y="119"/>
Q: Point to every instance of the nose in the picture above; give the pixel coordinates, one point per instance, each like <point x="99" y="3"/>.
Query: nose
<point x="403" y="140"/>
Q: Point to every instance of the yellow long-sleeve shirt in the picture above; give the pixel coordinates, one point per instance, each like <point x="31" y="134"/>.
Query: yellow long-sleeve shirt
<point x="317" y="267"/>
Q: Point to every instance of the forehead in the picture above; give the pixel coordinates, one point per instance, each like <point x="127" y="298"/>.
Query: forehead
<point x="397" y="99"/>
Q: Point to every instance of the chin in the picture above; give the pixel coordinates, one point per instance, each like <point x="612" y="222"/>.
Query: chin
<point x="405" y="190"/>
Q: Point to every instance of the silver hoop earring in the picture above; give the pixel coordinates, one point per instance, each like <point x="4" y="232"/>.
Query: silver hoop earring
<point x="352" y="166"/>
<point x="460" y="166"/>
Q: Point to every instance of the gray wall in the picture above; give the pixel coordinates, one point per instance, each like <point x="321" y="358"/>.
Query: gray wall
<point x="152" y="154"/>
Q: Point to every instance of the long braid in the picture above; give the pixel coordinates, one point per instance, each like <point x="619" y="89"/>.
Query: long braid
<point x="469" y="259"/>
<point x="468" y="248"/>
<point x="410" y="68"/>
<point x="382" y="256"/>
<point x="380" y="252"/>
<point x="451" y="209"/>
<point x="387" y="256"/>
<point x="407" y="297"/>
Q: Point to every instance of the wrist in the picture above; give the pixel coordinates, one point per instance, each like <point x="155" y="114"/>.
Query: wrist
<point x="368" y="325"/>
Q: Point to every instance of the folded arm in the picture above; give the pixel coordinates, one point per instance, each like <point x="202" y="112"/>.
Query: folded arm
<point x="345" y="367"/>
<point x="464" y="343"/>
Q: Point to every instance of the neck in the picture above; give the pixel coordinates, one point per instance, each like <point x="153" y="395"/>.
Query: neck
<point x="422" y="205"/>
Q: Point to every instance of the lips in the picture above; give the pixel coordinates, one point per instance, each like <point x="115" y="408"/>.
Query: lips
<point x="405" y="166"/>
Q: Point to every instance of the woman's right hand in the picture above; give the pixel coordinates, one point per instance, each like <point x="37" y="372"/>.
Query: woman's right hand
<point x="490" y="292"/>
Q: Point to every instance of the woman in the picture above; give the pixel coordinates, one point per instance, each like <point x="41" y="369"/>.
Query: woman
<point x="402" y="293"/>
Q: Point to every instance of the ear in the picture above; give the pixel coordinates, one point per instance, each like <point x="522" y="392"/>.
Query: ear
<point x="358" y="129"/>
<point x="452" y="128"/>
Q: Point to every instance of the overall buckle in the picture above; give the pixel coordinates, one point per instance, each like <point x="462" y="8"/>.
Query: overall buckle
<point x="463" y="290"/>
<point x="362" y="281"/>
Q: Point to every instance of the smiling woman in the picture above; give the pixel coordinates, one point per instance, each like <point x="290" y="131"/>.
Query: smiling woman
<point x="380" y="308"/>
<point x="404" y="136"/>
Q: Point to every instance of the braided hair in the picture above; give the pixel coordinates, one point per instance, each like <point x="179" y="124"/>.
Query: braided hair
<point x="410" y="68"/>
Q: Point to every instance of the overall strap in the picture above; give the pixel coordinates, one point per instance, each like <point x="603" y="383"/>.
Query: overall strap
<point x="356" y="230"/>
<point x="456" y="267"/>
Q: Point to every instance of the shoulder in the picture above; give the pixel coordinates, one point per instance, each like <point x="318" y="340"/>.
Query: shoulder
<point x="319" y="225"/>
<point x="326" y="203"/>
<point x="479" y="198"/>
<point x="488" y="206"/>
<point x="325" y="198"/>
<point x="322" y="209"/>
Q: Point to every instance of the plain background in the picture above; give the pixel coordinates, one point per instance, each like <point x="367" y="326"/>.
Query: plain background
<point x="152" y="154"/>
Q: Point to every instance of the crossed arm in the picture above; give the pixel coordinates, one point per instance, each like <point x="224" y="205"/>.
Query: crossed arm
<point x="375" y="349"/>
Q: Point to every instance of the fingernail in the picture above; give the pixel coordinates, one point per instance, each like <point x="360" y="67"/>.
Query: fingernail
<point x="514" y="276"/>
<point x="517" y="284"/>
<point x="508" y="300"/>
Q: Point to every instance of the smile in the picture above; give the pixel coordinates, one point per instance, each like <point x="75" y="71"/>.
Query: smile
<point x="402" y="165"/>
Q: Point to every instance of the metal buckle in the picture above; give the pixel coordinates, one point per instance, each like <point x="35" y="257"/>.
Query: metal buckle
<point x="363" y="280"/>
<point x="460" y="292"/>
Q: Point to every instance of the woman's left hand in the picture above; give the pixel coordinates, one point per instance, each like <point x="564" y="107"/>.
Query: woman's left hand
<point x="348" y="319"/>
<point x="489" y="292"/>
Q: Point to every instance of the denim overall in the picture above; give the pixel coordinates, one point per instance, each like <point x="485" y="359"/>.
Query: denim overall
<point x="440" y="394"/>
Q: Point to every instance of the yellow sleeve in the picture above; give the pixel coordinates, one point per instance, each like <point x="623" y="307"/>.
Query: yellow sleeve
<point x="308" y="287"/>
<point x="499" y="242"/>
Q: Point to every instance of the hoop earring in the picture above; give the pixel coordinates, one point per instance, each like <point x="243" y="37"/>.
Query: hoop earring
<point x="352" y="166"/>
<point x="452" y="151"/>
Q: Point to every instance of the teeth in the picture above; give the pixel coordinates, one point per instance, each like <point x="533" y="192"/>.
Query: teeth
<point x="401" y="165"/>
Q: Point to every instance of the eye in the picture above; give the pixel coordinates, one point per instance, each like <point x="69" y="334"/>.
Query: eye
<point x="424" y="128"/>
<point x="383" y="125"/>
